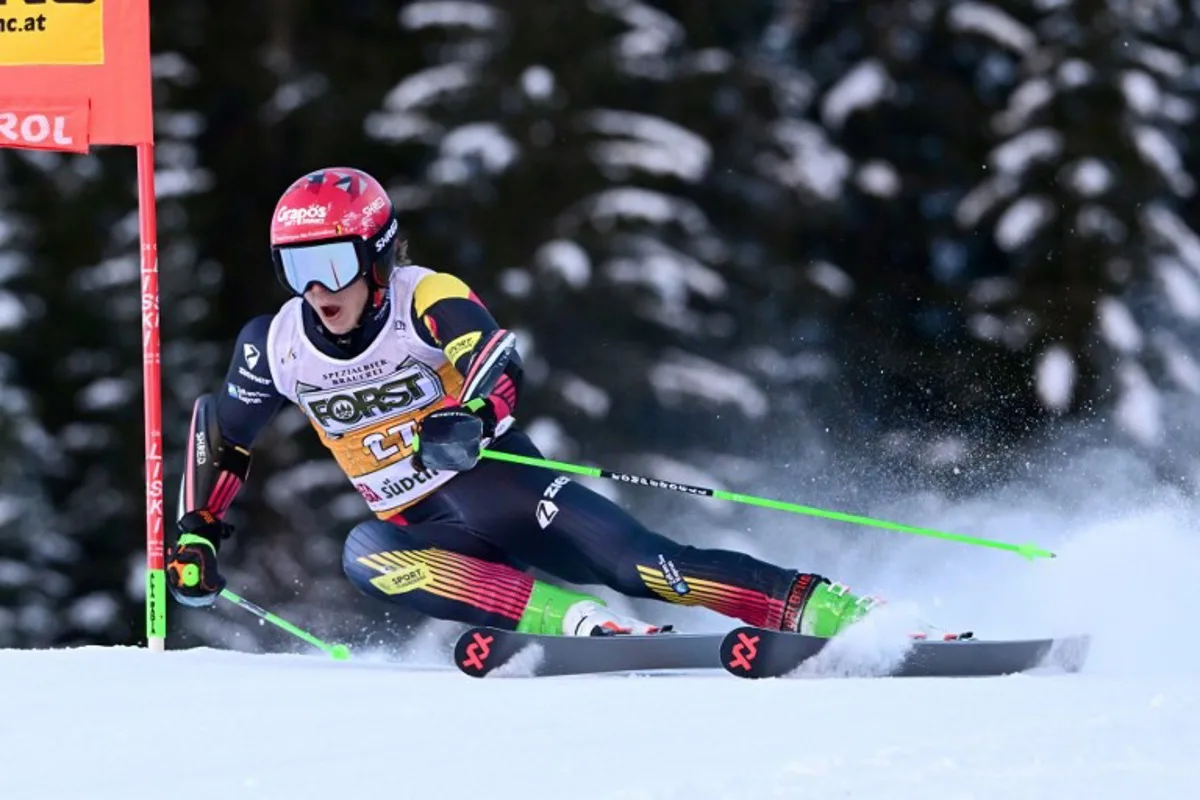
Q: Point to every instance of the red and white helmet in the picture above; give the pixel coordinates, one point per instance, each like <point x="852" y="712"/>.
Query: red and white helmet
<point x="331" y="227"/>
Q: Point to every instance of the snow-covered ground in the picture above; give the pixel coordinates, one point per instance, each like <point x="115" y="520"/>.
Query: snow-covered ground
<point x="124" y="723"/>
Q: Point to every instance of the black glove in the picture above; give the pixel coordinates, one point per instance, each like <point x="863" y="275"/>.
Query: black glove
<point x="451" y="438"/>
<point x="192" y="573"/>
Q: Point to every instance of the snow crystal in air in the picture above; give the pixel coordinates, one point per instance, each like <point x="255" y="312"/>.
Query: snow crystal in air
<point x="1022" y="220"/>
<point x="425" y="87"/>
<point x="987" y="20"/>
<point x="1139" y="407"/>
<point x="1089" y="177"/>
<point x="1117" y="325"/>
<point x="537" y="82"/>
<point x="1158" y="151"/>
<point x="587" y="397"/>
<point x="1180" y="287"/>
<point x="878" y="178"/>
<point x="651" y="143"/>
<point x="682" y="377"/>
<point x="871" y="647"/>
<point x="1055" y="377"/>
<point x="1015" y="155"/>
<point x="429" y="13"/>
<point x="1141" y="91"/>
<point x="831" y="279"/>
<point x="481" y="141"/>
<point x="863" y="86"/>
<point x="814" y="163"/>
<point x="566" y="258"/>
<point x="1025" y="101"/>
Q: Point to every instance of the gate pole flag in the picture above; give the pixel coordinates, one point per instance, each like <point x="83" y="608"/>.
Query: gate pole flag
<point x="76" y="73"/>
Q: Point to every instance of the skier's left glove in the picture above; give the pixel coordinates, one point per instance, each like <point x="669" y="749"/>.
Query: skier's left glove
<point x="451" y="438"/>
<point x="192" y="572"/>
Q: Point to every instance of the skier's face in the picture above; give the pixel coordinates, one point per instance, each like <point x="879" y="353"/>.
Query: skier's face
<point x="339" y="312"/>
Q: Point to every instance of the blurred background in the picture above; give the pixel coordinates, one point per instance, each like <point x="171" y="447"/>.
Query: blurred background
<point x="845" y="253"/>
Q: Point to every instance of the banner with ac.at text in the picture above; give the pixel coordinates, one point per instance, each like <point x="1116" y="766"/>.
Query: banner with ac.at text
<point x="75" y="73"/>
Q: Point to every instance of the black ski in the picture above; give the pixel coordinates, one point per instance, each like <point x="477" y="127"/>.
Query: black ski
<point x="750" y="652"/>
<point x="482" y="651"/>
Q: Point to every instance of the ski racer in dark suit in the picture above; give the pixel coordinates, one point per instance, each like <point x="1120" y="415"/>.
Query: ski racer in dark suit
<point x="388" y="359"/>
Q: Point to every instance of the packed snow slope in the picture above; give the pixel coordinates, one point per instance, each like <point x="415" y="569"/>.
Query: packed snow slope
<point x="124" y="724"/>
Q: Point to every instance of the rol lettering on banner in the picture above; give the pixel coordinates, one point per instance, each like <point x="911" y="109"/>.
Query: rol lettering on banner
<point x="75" y="74"/>
<point x="39" y="126"/>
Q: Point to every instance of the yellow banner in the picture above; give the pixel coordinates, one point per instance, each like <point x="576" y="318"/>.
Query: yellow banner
<point x="51" y="32"/>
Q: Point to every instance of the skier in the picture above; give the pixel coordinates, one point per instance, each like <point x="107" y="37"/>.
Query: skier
<point x="405" y="375"/>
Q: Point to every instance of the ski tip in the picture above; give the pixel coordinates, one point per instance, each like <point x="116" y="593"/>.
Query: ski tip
<point x="740" y="652"/>
<point x="473" y="652"/>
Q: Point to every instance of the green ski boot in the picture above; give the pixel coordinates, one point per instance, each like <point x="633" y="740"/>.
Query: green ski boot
<point x="830" y="609"/>
<point x="553" y="611"/>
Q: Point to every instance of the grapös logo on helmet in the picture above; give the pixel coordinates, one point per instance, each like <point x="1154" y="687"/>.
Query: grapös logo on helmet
<point x="314" y="214"/>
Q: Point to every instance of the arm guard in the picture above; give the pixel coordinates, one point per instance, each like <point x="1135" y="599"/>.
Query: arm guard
<point x="215" y="467"/>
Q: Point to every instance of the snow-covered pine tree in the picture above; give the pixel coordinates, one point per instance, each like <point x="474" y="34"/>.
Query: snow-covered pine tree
<point x="73" y="379"/>
<point x="1082" y="192"/>
<point x="900" y="104"/>
<point x="566" y="180"/>
<point x="1015" y="167"/>
<point x="32" y="565"/>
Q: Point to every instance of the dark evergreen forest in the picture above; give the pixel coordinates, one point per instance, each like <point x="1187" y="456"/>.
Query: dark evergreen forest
<point x="832" y="251"/>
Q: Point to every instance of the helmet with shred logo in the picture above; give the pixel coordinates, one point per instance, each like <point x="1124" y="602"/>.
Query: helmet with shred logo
<point x="332" y="227"/>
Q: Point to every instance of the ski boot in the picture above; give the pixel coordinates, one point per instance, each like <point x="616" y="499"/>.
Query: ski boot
<point x="554" y="611"/>
<point x="818" y="607"/>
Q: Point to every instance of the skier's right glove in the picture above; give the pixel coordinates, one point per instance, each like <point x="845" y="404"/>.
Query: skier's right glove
<point x="192" y="573"/>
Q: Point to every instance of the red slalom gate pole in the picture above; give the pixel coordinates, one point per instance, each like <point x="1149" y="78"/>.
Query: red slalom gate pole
<point x="156" y="581"/>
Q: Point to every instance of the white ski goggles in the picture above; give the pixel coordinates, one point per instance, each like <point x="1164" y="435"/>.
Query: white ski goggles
<point x="334" y="265"/>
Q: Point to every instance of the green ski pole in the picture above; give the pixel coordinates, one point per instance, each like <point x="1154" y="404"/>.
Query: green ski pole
<point x="339" y="652"/>
<point x="1027" y="550"/>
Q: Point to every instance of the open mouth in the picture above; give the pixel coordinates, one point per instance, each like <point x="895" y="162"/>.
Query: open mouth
<point x="329" y="310"/>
